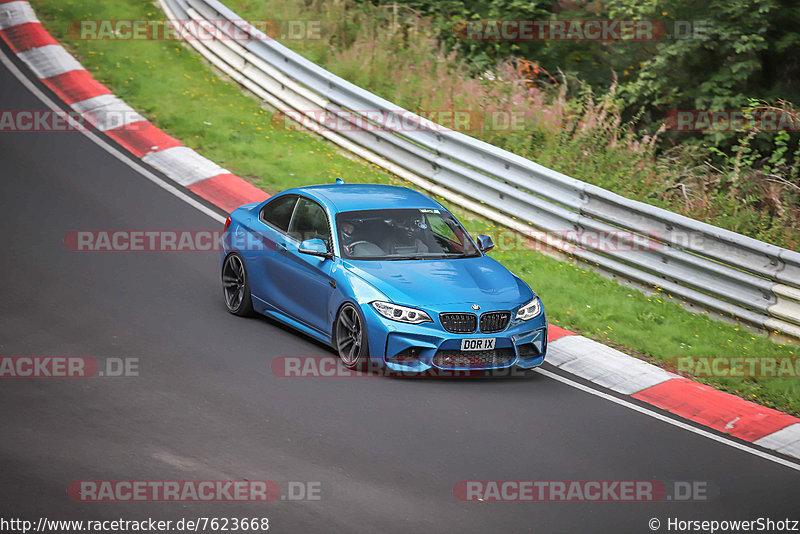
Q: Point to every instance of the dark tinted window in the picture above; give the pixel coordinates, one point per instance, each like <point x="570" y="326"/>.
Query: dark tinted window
<point x="278" y="213"/>
<point x="402" y="234"/>
<point x="309" y="222"/>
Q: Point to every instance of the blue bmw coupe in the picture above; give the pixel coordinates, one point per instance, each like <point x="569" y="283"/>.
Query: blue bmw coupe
<point x="384" y="275"/>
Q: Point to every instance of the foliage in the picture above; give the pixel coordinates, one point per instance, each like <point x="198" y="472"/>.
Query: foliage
<point x="715" y="54"/>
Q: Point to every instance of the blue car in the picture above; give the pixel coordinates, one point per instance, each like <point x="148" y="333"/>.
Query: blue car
<point x="383" y="274"/>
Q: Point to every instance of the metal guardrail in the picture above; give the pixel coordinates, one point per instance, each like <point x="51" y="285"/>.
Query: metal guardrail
<point x="720" y="270"/>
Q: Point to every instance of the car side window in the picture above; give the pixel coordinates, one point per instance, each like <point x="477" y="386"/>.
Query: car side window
<point x="278" y="213"/>
<point x="310" y="222"/>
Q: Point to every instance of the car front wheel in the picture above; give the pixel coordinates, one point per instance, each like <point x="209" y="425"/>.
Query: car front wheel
<point x="351" y="338"/>
<point x="236" y="286"/>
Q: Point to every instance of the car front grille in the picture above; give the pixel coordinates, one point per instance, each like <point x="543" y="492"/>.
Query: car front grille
<point x="492" y="322"/>
<point x="459" y="323"/>
<point x="479" y="359"/>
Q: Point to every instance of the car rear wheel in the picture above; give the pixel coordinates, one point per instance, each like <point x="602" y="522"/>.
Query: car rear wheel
<point x="236" y="286"/>
<point x="351" y="338"/>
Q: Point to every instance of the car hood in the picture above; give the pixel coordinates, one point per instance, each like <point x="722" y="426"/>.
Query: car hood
<point x="481" y="281"/>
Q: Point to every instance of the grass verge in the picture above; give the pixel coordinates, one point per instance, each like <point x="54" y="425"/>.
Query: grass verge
<point x="173" y="88"/>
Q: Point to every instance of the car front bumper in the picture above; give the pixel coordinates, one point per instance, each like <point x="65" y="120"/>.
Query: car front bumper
<point x="409" y="348"/>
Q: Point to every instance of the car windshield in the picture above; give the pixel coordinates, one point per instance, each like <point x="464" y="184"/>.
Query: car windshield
<point x="402" y="234"/>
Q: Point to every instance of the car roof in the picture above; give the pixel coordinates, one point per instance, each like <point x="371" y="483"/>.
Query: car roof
<point x="351" y="197"/>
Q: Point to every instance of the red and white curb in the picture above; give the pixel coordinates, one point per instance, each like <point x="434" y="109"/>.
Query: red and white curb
<point x="691" y="400"/>
<point x="580" y="356"/>
<point x="73" y="84"/>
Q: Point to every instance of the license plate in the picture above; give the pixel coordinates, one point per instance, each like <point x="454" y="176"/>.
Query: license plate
<point x="486" y="343"/>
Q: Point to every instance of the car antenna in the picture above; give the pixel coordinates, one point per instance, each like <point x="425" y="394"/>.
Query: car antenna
<point x="339" y="181"/>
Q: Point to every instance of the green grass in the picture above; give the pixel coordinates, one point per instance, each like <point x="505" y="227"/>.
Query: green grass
<point x="169" y="85"/>
<point x="178" y="92"/>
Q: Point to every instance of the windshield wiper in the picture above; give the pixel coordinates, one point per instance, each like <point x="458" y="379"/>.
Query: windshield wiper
<point x="404" y="258"/>
<point x="432" y="257"/>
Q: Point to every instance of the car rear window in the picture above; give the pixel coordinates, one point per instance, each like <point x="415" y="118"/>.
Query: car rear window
<point x="278" y="213"/>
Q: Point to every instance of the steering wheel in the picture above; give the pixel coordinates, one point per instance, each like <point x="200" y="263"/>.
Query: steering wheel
<point x="354" y="243"/>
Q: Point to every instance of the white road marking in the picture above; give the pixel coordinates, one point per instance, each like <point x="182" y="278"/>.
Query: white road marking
<point x="105" y="145"/>
<point x="669" y="420"/>
<point x="730" y="424"/>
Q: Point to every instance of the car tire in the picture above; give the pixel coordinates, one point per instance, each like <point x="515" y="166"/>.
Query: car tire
<point x="236" y="286"/>
<point x="350" y="335"/>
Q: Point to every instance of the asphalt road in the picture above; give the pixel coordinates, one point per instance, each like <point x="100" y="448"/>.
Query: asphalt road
<point x="206" y="405"/>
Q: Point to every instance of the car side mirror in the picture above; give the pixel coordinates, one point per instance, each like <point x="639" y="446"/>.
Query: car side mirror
<point x="485" y="243"/>
<point x="314" y="247"/>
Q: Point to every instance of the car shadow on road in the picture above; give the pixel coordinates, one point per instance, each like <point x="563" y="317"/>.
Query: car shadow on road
<point x="326" y="363"/>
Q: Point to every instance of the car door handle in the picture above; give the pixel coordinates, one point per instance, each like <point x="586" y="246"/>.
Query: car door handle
<point x="282" y="247"/>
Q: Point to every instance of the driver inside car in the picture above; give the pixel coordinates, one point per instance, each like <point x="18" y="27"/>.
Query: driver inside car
<point x="347" y="236"/>
<point x="356" y="239"/>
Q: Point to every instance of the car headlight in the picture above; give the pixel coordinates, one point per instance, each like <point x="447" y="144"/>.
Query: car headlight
<point x="529" y="310"/>
<point x="401" y="313"/>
